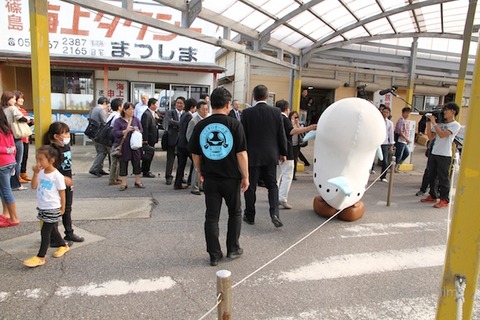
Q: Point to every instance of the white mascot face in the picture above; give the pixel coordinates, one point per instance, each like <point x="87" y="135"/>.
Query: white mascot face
<point x="348" y="134"/>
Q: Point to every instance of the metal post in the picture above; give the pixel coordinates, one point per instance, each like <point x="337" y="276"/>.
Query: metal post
<point x="390" y="181"/>
<point x="224" y="289"/>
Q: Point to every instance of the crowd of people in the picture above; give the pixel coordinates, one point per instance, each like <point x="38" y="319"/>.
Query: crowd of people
<point x="230" y="151"/>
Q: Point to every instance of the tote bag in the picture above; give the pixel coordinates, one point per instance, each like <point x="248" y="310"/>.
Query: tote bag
<point x="136" y="140"/>
<point x="21" y="130"/>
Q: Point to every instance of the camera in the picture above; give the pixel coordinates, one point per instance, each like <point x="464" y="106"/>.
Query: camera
<point x="437" y="113"/>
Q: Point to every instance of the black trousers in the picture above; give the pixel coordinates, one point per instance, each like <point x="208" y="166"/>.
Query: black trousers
<point x="67" y="216"/>
<point x="170" y="161"/>
<point x="49" y="231"/>
<point x="439" y="169"/>
<point x="269" y="175"/>
<point x="215" y="190"/>
<point x="387" y="159"/>
<point x="182" y="158"/>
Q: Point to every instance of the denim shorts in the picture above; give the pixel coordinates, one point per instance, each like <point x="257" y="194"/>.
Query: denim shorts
<point x="5" y="190"/>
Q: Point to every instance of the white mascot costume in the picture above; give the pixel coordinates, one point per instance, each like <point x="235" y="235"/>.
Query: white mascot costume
<point x="348" y="134"/>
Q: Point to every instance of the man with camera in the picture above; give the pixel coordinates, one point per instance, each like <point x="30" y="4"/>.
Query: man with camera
<point x="441" y="154"/>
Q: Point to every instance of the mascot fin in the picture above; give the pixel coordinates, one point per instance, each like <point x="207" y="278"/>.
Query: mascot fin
<point x="342" y="184"/>
<point x="310" y="135"/>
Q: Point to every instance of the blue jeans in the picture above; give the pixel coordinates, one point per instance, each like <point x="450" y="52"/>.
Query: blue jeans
<point x="5" y="190"/>
<point x="401" y="152"/>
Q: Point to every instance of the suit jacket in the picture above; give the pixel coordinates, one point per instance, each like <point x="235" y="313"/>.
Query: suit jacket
<point x="233" y="115"/>
<point x="182" y="131"/>
<point x="150" y="129"/>
<point x="172" y="124"/>
<point x="266" y="139"/>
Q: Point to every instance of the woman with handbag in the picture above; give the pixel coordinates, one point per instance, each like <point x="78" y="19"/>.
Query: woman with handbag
<point x="24" y="178"/>
<point x="7" y="165"/>
<point x="17" y="123"/>
<point x="123" y="129"/>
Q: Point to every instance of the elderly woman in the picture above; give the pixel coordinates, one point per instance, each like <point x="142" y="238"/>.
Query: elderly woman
<point x="122" y="131"/>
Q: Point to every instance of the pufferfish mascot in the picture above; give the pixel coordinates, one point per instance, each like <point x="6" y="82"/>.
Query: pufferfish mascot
<point x="348" y="134"/>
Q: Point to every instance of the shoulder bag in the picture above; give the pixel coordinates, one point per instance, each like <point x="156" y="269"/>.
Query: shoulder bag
<point x="21" y="130"/>
<point x="105" y="134"/>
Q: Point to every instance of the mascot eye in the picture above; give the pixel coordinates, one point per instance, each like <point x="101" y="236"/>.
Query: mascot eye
<point x="320" y="186"/>
<point x="328" y="190"/>
<point x="315" y="175"/>
<point x="358" y="194"/>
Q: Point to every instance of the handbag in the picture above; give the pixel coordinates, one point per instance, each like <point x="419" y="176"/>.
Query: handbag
<point x="21" y="130"/>
<point x="92" y="128"/>
<point x="148" y="152"/>
<point x="136" y="140"/>
<point x="105" y="134"/>
<point x="116" y="151"/>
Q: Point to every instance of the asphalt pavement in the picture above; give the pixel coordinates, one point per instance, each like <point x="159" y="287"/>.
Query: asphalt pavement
<point x="144" y="255"/>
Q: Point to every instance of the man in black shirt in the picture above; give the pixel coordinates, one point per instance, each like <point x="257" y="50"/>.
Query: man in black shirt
<point x="218" y="147"/>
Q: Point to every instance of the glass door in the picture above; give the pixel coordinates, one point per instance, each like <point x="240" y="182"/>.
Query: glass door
<point x="139" y="88"/>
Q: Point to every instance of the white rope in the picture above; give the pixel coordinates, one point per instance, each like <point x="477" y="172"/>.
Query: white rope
<point x="292" y="246"/>
<point x="219" y="300"/>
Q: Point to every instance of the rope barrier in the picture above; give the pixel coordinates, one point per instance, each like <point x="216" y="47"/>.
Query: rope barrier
<point x="291" y="247"/>
<point x="219" y="300"/>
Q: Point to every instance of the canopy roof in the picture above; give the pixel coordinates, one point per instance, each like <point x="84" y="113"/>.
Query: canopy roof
<point x="282" y="31"/>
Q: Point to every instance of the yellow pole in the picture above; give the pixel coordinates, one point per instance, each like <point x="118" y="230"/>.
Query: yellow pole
<point x="41" y="83"/>
<point x="467" y="38"/>
<point x="463" y="247"/>
<point x="297" y="88"/>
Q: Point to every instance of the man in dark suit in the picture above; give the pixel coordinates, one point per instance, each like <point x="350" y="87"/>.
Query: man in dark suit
<point x="172" y="124"/>
<point x="235" y="113"/>
<point x="150" y="135"/>
<point x="266" y="146"/>
<point x="182" y="151"/>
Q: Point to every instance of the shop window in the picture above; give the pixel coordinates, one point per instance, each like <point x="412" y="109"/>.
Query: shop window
<point x="425" y="102"/>
<point x="72" y="90"/>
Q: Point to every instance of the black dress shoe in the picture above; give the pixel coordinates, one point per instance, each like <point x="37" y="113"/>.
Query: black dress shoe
<point x="148" y="175"/>
<point x="214" y="260"/>
<point x="196" y="192"/>
<point x="276" y="221"/>
<point x="179" y="187"/>
<point x="249" y="221"/>
<point x="168" y="182"/>
<point x="103" y="173"/>
<point x="73" y="237"/>
<point x="96" y="174"/>
<point x="235" y="254"/>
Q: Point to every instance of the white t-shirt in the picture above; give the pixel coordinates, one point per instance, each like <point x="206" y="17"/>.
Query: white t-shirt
<point x="49" y="184"/>
<point x="443" y="146"/>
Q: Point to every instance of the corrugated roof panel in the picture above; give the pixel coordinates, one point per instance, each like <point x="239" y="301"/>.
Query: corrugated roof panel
<point x="403" y="22"/>
<point x="380" y="26"/>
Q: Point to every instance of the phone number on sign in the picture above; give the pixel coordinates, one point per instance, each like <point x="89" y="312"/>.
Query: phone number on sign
<point x="68" y="45"/>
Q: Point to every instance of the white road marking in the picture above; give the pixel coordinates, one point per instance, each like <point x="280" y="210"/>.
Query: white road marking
<point x="383" y="229"/>
<point x="109" y="288"/>
<point x="368" y="263"/>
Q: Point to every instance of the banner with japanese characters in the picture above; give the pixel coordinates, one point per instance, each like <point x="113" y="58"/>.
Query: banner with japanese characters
<point x="79" y="32"/>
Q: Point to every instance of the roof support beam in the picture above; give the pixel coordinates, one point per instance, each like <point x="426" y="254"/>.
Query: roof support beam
<point x="194" y="7"/>
<point x="101" y="6"/>
<point x="363" y="22"/>
<point x="219" y="20"/>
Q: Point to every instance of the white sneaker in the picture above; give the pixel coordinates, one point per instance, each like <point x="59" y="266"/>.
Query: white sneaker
<point x="384" y="180"/>
<point x="285" y="204"/>
<point x="372" y="172"/>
